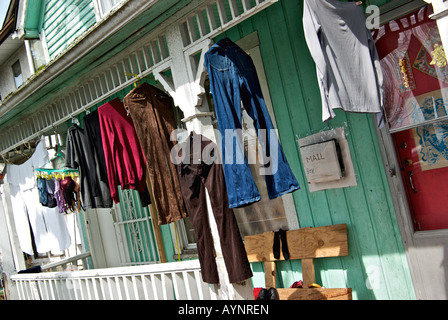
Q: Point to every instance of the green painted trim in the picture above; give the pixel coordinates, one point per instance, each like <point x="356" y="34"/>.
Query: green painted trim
<point x="33" y="18"/>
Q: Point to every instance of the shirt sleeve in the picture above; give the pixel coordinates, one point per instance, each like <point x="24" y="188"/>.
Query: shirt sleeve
<point x="312" y="28"/>
<point x="70" y="152"/>
<point x="381" y="117"/>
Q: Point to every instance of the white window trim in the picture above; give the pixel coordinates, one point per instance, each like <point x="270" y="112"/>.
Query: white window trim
<point x="180" y="239"/>
<point x="98" y="8"/>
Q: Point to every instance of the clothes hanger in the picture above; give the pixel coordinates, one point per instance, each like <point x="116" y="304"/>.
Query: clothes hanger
<point x="139" y="79"/>
<point x="52" y="173"/>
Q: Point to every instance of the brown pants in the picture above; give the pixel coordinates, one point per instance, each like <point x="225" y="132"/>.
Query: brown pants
<point x="152" y="114"/>
<point x="195" y="177"/>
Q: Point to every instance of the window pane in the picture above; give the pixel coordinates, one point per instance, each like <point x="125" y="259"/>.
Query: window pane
<point x="17" y="73"/>
<point x="37" y="52"/>
<point x="106" y="5"/>
<point x="415" y="70"/>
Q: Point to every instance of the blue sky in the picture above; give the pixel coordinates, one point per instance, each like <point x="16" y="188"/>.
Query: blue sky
<point x="4" y="4"/>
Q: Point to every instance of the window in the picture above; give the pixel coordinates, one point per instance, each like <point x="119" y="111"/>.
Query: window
<point x="265" y="215"/>
<point x="415" y="72"/>
<point x="37" y="53"/>
<point x="17" y="73"/>
<point x="105" y="6"/>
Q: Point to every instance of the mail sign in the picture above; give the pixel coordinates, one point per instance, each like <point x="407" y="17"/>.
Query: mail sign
<point x="321" y="162"/>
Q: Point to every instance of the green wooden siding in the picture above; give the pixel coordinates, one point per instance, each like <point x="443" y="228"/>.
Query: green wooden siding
<point x="376" y="267"/>
<point x="66" y="20"/>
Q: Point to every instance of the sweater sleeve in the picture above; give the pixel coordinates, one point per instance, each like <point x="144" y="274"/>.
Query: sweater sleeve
<point x="108" y="139"/>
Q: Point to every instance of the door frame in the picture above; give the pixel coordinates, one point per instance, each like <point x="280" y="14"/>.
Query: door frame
<point x="415" y="242"/>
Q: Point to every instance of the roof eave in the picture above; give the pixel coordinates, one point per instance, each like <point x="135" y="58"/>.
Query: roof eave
<point x="61" y="65"/>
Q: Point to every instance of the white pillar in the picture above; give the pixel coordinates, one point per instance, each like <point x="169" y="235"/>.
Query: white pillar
<point x="12" y="255"/>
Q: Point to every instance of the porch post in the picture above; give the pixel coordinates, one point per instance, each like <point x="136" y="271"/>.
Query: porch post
<point x="186" y="89"/>
<point x="12" y="255"/>
<point x="7" y="217"/>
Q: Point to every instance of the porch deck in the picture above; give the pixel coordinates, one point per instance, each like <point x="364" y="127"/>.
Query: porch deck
<point x="167" y="281"/>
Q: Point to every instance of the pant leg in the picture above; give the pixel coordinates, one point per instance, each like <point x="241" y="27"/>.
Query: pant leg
<point x="278" y="174"/>
<point x="21" y="220"/>
<point x="35" y="215"/>
<point x="193" y="192"/>
<point x="57" y="231"/>
<point x="233" y="251"/>
<point x="225" y="87"/>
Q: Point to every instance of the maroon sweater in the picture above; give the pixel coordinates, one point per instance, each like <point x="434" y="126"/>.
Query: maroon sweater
<point x="125" y="162"/>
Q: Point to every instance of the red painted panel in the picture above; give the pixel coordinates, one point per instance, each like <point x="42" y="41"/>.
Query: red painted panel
<point x="427" y="190"/>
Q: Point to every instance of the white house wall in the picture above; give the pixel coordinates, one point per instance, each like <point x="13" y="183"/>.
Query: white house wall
<point x="7" y="84"/>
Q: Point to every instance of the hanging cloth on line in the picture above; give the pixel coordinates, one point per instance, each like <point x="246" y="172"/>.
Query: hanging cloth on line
<point x="123" y="153"/>
<point x="152" y="115"/>
<point x="347" y="63"/>
<point x="83" y="155"/>
<point x="47" y="225"/>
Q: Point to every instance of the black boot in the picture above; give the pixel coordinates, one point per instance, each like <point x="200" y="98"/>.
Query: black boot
<point x="263" y="294"/>
<point x="272" y="294"/>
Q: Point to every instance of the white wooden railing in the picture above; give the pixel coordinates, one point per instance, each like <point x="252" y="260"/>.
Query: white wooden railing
<point x="65" y="264"/>
<point x="167" y="281"/>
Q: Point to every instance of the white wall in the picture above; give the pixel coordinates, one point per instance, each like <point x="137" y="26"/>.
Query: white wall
<point x="7" y="84"/>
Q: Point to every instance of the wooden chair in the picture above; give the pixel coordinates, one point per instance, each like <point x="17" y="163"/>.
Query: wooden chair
<point x="305" y="244"/>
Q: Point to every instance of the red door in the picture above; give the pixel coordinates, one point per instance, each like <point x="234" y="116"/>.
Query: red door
<point x="422" y="154"/>
<point x="415" y="72"/>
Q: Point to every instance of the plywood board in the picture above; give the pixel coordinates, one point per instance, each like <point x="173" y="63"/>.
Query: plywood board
<point x="315" y="294"/>
<point x="305" y="243"/>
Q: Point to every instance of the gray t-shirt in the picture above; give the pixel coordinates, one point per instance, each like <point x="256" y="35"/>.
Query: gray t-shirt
<point x="347" y="63"/>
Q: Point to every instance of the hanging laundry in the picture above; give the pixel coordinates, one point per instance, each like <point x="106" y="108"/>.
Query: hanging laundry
<point x="348" y="69"/>
<point x="152" y="114"/>
<point x="93" y="130"/>
<point x="58" y="194"/>
<point x="42" y="187"/>
<point x="46" y="192"/>
<point x="197" y="174"/>
<point x="233" y="79"/>
<point x="48" y="230"/>
<point x="125" y="162"/>
<point x="51" y="200"/>
<point x="81" y="155"/>
<point x="71" y="193"/>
